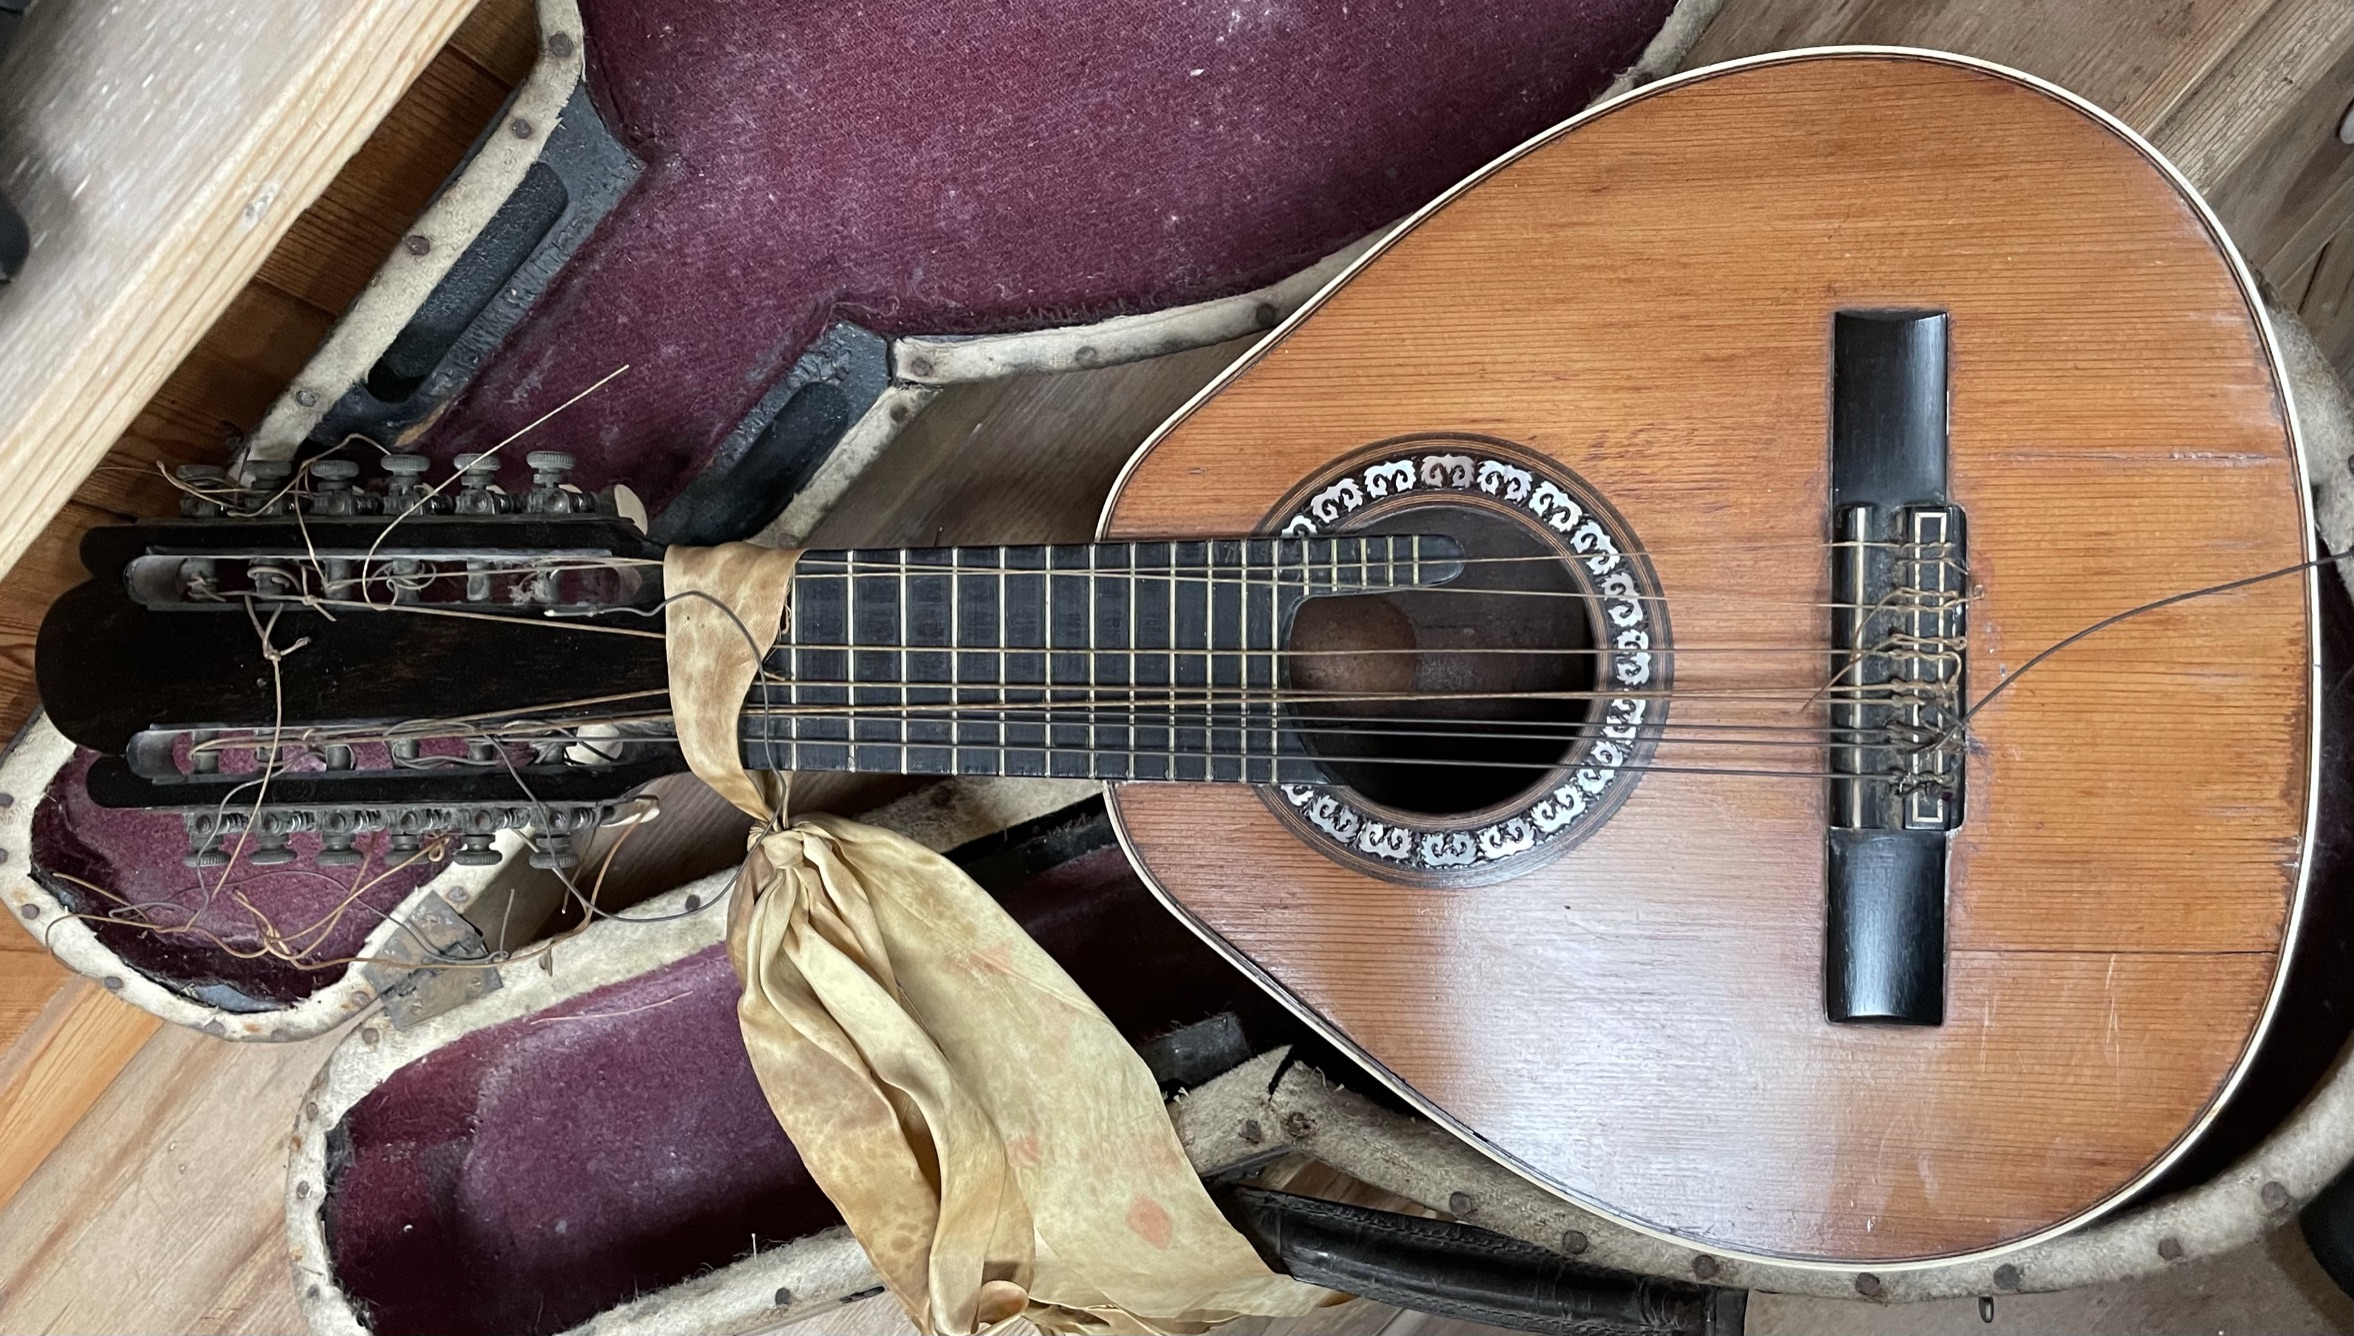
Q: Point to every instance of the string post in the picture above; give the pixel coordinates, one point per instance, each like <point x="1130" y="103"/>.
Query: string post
<point x="204" y="490"/>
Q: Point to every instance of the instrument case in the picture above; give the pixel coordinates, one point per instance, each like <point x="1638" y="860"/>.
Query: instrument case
<point x="587" y="1143"/>
<point x="795" y="227"/>
<point x="586" y="1147"/>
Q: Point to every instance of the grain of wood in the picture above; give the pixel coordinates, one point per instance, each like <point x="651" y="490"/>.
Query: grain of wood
<point x="2288" y="53"/>
<point x="2328" y="304"/>
<point x="67" y="1055"/>
<point x="2137" y="61"/>
<point x="90" y="1256"/>
<point x="334" y="248"/>
<point x="2332" y="219"/>
<point x="162" y="1209"/>
<point x="1641" y="1022"/>
<point x="61" y="1038"/>
<point x="221" y="123"/>
<point x="502" y="37"/>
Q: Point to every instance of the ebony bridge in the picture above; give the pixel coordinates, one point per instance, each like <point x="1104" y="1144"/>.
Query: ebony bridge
<point x="1898" y="596"/>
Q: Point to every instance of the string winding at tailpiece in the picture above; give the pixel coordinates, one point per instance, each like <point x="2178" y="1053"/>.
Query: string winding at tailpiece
<point x="994" y="1144"/>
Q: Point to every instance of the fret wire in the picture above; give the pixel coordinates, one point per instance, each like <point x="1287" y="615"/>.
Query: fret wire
<point x="1093" y="739"/>
<point x="1249" y="592"/>
<point x="906" y="664"/>
<point x="955" y="665"/>
<point x="1046" y="635"/>
<point x="1135" y="660"/>
<point x="1274" y="610"/>
<point x="1242" y="616"/>
<point x="1004" y="738"/>
<point x="792" y="695"/>
<point x="850" y="657"/>
<point x="1171" y="772"/>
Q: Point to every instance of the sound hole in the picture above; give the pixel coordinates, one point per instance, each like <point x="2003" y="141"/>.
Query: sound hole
<point x="1454" y="699"/>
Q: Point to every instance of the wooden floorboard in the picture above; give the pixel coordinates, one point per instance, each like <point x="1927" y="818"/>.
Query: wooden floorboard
<point x="163" y="1210"/>
<point x="68" y="1054"/>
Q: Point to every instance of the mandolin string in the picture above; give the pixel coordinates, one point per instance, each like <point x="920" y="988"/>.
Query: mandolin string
<point x="1161" y="719"/>
<point x="902" y="566"/>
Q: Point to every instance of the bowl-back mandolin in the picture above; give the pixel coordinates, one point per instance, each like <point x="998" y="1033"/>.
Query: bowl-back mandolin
<point x="1757" y="659"/>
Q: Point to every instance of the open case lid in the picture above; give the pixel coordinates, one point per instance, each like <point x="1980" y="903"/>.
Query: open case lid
<point x="796" y="225"/>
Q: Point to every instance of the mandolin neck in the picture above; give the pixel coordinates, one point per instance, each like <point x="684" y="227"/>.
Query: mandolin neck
<point x="1153" y="661"/>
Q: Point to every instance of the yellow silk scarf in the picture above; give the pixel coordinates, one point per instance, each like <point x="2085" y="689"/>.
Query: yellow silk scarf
<point x="989" y="1137"/>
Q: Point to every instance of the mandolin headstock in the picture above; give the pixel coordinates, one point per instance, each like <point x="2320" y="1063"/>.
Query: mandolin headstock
<point x="318" y="657"/>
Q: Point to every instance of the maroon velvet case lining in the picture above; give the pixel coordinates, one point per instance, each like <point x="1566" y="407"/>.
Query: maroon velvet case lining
<point x="532" y="1174"/>
<point x="123" y="869"/>
<point x="918" y="167"/>
<point x="938" y="168"/>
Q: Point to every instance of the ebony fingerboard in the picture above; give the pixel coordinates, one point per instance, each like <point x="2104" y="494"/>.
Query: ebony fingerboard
<point x="1151" y="661"/>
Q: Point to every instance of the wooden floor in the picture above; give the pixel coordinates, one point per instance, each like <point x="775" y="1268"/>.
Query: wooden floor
<point x="141" y="1168"/>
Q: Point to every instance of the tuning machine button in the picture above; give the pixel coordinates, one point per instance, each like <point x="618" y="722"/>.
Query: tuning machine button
<point x="406" y="489"/>
<point x="549" y="495"/>
<point x="204" y="490"/>
<point x="267" y="492"/>
<point x="554" y="850"/>
<point x="337" y="828"/>
<point x="477" y="475"/>
<point x="333" y="491"/>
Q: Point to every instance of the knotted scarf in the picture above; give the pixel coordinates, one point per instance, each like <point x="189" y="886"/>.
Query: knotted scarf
<point x="996" y="1146"/>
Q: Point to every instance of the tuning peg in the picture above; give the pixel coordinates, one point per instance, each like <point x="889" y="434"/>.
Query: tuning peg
<point x="267" y="492"/>
<point x="333" y="492"/>
<point x="475" y="851"/>
<point x="203" y="487"/>
<point x="553" y="850"/>
<point x="337" y="828"/>
<point x="269" y="849"/>
<point x="549" y="469"/>
<point x="405" y="489"/>
<point x="476" y="474"/>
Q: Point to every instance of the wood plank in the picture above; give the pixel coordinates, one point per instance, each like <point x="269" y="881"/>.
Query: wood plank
<point x="2300" y="252"/>
<point x="216" y="394"/>
<point x="65" y="1058"/>
<point x="222" y="122"/>
<point x="335" y="247"/>
<point x="163" y="1208"/>
<point x="2258" y="135"/>
<point x="502" y="38"/>
<point x="61" y="1038"/>
<point x="2328" y="305"/>
<point x="2127" y="58"/>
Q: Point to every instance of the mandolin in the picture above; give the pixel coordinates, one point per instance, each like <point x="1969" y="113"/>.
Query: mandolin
<point x="1757" y="659"/>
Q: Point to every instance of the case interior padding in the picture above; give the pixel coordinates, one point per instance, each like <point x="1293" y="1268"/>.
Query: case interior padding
<point x="536" y="1172"/>
<point x="123" y="869"/>
<point x="926" y="168"/>
<point x="919" y="168"/>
